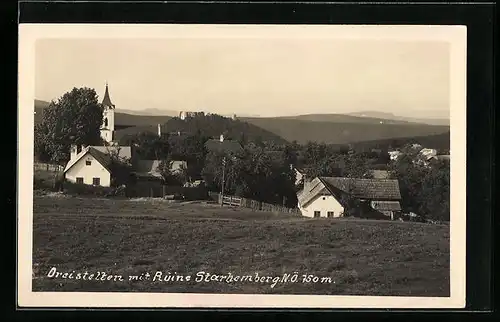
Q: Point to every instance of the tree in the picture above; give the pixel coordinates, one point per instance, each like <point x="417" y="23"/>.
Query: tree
<point x="148" y="146"/>
<point x="74" y="118"/>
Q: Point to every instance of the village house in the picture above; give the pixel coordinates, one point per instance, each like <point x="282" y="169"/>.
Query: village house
<point x="223" y="145"/>
<point x="427" y="153"/>
<point x="89" y="166"/>
<point x="394" y="155"/>
<point x="326" y="196"/>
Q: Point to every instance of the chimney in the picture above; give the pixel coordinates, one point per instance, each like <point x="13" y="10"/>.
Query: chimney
<point x="159" y="130"/>
<point x="307" y="182"/>
<point x="73" y="151"/>
<point x="221" y="138"/>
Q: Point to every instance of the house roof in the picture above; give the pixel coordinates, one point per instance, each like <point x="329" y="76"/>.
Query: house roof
<point x="102" y="158"/>
<point x="147" y="167"/>
<point x="231" y="146"/>
<point x="150" y="167"/>
<point x="107" y="100"/>
<point x="310" y="191"/>
<point x="124" y="152"/>
<point x="378" y="189"/>
<point x="386" y="205"/>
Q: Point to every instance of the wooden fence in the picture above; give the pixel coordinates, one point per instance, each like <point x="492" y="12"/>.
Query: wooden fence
<point x="48" y="167"/>
<point x="252" y="204"/>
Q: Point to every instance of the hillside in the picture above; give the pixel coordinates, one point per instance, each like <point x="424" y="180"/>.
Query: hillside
<point x="441" y="142"/>
<point x="212" y="125"/>
<point x="326" y="128"/>
<point x="390" y="116"/>
<point x="341" y="118"/>
<point x="343" y="132"/>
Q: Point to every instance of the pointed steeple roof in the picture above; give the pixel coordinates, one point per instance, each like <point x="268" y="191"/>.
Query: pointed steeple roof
<point x="106" y="100"/>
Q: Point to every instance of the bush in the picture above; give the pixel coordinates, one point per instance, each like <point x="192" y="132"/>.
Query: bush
<point x="88" y="190"/>
<point x="47" y="180"/>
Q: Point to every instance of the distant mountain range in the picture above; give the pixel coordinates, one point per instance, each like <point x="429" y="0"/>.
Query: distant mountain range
<point x="390" y="116"/>
<point x="326" y="128"/>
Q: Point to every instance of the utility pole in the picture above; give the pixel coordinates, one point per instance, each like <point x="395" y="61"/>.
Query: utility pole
<point x="223" y="181"/>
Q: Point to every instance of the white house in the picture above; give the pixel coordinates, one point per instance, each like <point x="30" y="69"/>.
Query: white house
<point x="323" y="196"/>
<point x="427" y="153"/>
<point x="91" y="165"/>
<point x="394" y="155"/>
<point x="315" y="200"/>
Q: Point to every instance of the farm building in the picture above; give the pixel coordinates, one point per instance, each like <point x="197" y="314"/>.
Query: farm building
<point x="89" y="166"/>
<point x="223" y="145"/>
<point x="327" y="196"/>
<point x="151" y="167"/>
<point x="394" y="155"/>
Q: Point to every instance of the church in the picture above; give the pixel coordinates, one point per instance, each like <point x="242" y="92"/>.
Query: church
<point x="91" y="164"/>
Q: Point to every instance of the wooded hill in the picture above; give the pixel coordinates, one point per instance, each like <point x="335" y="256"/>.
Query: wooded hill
<point x="332" y="129"/>
<point x="342" y="132"/>
<point x="209" y="126"/>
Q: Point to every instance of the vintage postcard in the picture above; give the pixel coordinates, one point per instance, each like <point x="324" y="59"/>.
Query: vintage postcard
<point x="241" y="166"/>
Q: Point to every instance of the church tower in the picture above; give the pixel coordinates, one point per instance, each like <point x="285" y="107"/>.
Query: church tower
<point x="108" y="118"/>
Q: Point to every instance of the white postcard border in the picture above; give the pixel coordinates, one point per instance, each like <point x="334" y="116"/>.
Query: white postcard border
<point x="30" y="33"/>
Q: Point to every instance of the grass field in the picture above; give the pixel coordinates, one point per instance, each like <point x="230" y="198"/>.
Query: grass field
<point x="134" y="237"/>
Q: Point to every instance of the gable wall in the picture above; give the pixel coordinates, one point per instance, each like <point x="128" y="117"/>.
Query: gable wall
<point x="322" y="204"/>
<point x="88" y="172"/>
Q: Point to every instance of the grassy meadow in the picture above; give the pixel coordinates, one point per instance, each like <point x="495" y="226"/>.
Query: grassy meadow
<point x="134" y="237"/>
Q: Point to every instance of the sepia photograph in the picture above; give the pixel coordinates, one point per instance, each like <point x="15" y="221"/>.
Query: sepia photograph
<point x="242" y="166"/>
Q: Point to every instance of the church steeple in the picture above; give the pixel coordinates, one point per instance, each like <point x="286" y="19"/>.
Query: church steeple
<point x="106" y="100"/>
<point x="108" y="117"/>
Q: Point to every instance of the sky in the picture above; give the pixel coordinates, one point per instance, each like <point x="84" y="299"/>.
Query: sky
<point x="245" y="76"/>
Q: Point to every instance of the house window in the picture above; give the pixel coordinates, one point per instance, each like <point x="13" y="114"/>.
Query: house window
<point x="88" y="162"/>
<point x="96" y="181"/>
<point x="317" y="214"/>
<point x="329" y="214"/>
<point x="79" y="180"/>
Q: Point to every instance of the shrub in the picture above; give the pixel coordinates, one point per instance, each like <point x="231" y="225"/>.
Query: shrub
<point x="47" y="180"/>
<point x="88" y="190"/>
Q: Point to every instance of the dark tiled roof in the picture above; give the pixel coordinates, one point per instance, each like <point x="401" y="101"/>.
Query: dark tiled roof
<point x="226" y="146"/>
<point x="106" y="100"/>
<point x="375" y="189"/>
<point x="312" y="190"/>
